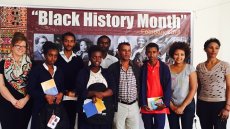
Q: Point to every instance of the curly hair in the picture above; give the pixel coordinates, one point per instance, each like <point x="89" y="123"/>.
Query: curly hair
<point x="182" y="46"/>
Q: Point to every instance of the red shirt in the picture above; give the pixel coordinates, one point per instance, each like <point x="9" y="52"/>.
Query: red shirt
<point x="154" y="88"/>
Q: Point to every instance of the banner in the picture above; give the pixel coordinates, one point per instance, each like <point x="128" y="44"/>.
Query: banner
<point x="136" y="27"/>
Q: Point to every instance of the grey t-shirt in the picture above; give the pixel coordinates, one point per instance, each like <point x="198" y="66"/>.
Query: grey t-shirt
<point x="213" y="82"/>
<point x="180" y="84"/>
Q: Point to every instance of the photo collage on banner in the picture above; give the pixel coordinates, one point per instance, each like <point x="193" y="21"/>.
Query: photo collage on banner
<point x="136" y="27"/>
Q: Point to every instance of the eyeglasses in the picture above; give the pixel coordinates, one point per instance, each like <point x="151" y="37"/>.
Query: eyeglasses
<point x="18" y="46"/>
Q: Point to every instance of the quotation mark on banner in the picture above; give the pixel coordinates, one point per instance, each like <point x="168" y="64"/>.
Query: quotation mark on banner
<point x="34" y="12"/>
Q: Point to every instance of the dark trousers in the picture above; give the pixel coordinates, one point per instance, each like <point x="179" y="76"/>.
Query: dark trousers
<point x="208" y="114"/>
<point x="13" y="118"/>
<point x="186" y="118"/>
<point x="71" y="110"/>
<point x="84" y="124"/>
<point x="159" y="121"/>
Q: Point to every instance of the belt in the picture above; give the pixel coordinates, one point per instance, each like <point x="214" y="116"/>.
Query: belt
<point x="128" y="103"/>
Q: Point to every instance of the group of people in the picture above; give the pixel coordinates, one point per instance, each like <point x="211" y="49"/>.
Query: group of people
<point x="127" y="89"/>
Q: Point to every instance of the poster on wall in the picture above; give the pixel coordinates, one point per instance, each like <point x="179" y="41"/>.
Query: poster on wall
<point x="136" y="27"/>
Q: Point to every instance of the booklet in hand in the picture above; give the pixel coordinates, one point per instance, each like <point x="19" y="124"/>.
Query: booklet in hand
<point x="91" y="108"/>
<point x="152" y="102"/>
<point x="49" y="87"/>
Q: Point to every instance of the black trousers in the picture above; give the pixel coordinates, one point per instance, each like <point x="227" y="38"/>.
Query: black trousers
<point x="208" y="114"/>
<point x="71" y="110"/>
<point x="13" y="118"/>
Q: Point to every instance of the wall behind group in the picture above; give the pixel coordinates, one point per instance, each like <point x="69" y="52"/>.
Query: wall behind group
<point x="210" y="17"/>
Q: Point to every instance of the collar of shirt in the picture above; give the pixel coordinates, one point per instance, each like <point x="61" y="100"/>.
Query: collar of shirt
<point x="95" y="74"/>
<point x="65" y="58"/>
<point x="46" y="67"/>
<point x="130" y="63"/>
<point x="150" y="67"/>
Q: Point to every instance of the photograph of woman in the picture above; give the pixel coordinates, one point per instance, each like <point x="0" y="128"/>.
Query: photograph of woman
<point x="82" y="48"/>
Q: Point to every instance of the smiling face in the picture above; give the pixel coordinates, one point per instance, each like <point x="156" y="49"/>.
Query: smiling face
<point x="19" y="48"/>
<point x="96" y="58"/>
<point x="179" y="56"/>
<point x="212" y="50"/>
<point x="51" y="56"/>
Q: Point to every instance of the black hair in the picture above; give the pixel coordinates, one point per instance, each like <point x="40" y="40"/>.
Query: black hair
<point x="18" y="36"/>
<point x="122" y="44"/>
<point x="182" y="46"/>
<point x="94" y="48"/>
<point x="49" y="46"/>
<point x="86" y="40"/>
<point x="42" y="36"/>
<point x="102" y="37"/>
<point x="151" y="45"/>
<point x="210" y="41"/>
<point x="67" y="34"/>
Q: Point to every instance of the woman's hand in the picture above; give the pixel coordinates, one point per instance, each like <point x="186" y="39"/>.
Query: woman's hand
<point x="179" y="110"/>
<point x="224" y="114"/>
<point x="21" y="102"/>
<point x="13" y="102"/>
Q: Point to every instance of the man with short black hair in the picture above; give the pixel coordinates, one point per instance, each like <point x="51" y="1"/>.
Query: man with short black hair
<point x="126" y="78"/>
<point x="104" y="43"/>
<point x="70" y="64"/>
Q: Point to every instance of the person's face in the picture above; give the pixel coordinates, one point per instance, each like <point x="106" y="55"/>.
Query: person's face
<point x="212" y="50"/>
<point x="152" y="54"/>
<point x="68" y="43"/>
<point x="41" y="42"/>
<point x="125" y="52"/>
<point x="179" y="56"/>
<point x="104" y="44"/>
<point x="51" y="56"/>
<point x="96" y="58"/>
<point x="83" y="46"/>
<point x="141" y="42"/>
<point x="19" y="48"/>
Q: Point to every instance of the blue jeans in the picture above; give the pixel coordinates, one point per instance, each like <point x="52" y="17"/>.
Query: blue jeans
<point x="186" y="118"/>
<point x="159" y="121"/>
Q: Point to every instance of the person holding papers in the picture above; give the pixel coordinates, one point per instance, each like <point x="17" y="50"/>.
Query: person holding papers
<point x="184" y="86"/>
<point x="15" y="104"/>
<point x="70" y="64"/>
<point x="46" y="85"/>
<point x="155" y="91"/>
<point x="95" y="89"/>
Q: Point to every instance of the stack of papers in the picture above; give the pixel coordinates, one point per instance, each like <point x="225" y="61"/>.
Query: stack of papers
<point x="91" y="108"/>
<point x="49" y="87"/>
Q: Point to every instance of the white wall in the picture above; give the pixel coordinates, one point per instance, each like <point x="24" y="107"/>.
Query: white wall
<point x="211" y="17"/>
